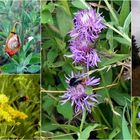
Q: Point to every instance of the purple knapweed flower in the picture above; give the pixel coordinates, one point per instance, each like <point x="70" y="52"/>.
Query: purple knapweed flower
<point x="76" y="93"/>
<point x="83" y="54"/>
<point x="87" y="25"/>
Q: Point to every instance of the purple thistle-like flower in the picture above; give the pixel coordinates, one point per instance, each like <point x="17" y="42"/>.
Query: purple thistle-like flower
<point x="78" y="96"/>
<point x="87" y="25"/>
<point x="84" y="54"/>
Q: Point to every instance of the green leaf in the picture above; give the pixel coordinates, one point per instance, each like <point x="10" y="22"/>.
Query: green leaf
<point x="46" y="17"/>
<point x="115" y="132"/>
<point x="20" y="69"/>
<point x="27" y="46"/>
<point x="107" y="78"/>
<point x="48" y="44"/>
<point x="125" y="130"/>
<point x="64" y="21"/>
<point x="121" y="40"/>
<point x="66" y="110"/>
<point x="50" y="6"/>
<point x="61" y="44"/>
<point x="48" y="104"/>
<point x="6" y="26"/>
<point x="35" y="59"/>
<point x="127" y="23"/>
<point x="68" y="127"/>
<point x="47" y="126"/>
<point x="51" y="55"/>
<point x="115" y="58"/>
<point x="67" y="68"/>
<point x="27" y="18"/>
<point x="58" y="64"/>
<point x="125" y="9"/>
<point x="2" y="34"/>
<point x="80" y="4"/>
<point x="109" y="37"/>
<point x="62" y="136"/>
<point x="9" y="68"/>
<point x="33" y="68"/>
<point x="119" y="97"/>
<point x="66" y="7"/>
<point x="62" y="79"/>
<point x="27" y="60"/>
<point x="86" y="132"/>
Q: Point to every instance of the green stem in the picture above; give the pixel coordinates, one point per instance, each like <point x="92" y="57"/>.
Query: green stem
<point x="83" y="120"/>
<point x="98" y="6"/>
<point x="111" y="11"/>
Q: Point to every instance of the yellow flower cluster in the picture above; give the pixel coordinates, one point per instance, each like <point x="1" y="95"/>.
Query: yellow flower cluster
<point x="3" y="99"/>
<point x="7" y="113"/>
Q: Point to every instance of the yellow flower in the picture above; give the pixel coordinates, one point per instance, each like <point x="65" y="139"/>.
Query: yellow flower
<point x="8" y="113"/>
<point x="15" y="113"/>
<point x="21" y="115"/>
<point x="3" y="99"/>
<point x="5" y="116"/>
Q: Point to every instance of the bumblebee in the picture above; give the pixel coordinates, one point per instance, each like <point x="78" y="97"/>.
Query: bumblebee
<point x="74" y="81"/>
<point x="23" y="99"/>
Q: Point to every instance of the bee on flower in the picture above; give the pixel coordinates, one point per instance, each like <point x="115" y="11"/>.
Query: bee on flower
<point x="76" y="92"/>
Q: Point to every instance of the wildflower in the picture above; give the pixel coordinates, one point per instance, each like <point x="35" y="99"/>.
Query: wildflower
<point x="5" y="116"/>
<point x="8" y="113"/>
<point x="84" y="54"/>
<point x="3" y="99"/>
<point x="77" y="94"/>
<point x="87" y="25"/>
<point x="15" y="113"/>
